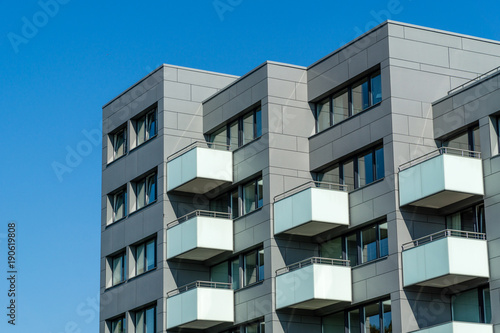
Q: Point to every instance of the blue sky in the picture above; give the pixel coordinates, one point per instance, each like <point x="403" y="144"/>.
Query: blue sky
<point x="62" y="60"/>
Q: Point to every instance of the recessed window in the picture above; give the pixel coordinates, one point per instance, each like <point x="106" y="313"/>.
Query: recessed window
<point x="349" y="101"/>
<point x="252" y="198"/>
<point x="145" y="320"/>
<point x="118" y="268"/>
<point x="119" y="143"/>
<point x="259" y="327"/>
<point x="119" y="203"/>
<point x="252" y="195"/>
<point x="473" y="306"/>
<point x="466" y="140"/>
<point x="118" y="325"/>
<point x="250" y="263"/>
<point x="240" y="131"/>
<point x="358" y="171"/>
<point x="146" y="127"/>
<point x="145" y="190"/>
<point x="469" y="219"/>
<point x="145" y="256"/>
<point x="253" y="267"/>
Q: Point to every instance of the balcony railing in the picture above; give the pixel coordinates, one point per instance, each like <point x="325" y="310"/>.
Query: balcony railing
<point x="196" y="213"/>
<point x="311" y="261"/>
<point x="310" y="184"/>
<point x="480" y="77"/>
<point x="199" y="284"/>
<point x="443" y="234"/>
<point x="437" y="152"/>
<point x="199" y="144"/>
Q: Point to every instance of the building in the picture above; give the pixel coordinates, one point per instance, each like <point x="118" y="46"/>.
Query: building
<point x="359" y="194"/>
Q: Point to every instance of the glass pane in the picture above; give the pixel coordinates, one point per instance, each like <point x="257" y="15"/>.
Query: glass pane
<point x="348" y="174"/>
<point x="340" y="107"/>
<point x="323" y="114"/>
<point x="354" y="324"/>
<point x="465" y="306"/>
<point x="376" y="84"/>
<point x="360" y="98"/>
<point x="372" y="318"/>
<point x="379" y="163"/>
<point x="219" y="273"/>
<point x="151" y="125"/>
<point x="250" y="268"/>
<point x="365" y="169"/>
<point x="459" y="142"/>
<point x="248" y="132"/>
<point x="118" y="270"/>
<point x="352" y="249"/>
<point x="119" y="205"/>
<point x="234" y="204"/>
<point x="467" y="220"/>
<point x="476" y="140"/>
<point x="219" y="138"/>
<point x="260" y="191"/>
<point x="139" y="322"/>
<point x="141" y="130"/>
<point x="258" y="123"/>
<point x="384" y="240"/>
<point x="332" y="249"/>
<point x="262" y="327"/>
<point x="119" y="143"/>
<point x="252" y="328"/>
<point x="151" y="189"/>
<point x="150" y="321"/>
<point x="481" y="219"/>
<point x="220" y="204"/>
<point x="334" y="323"/>
<point x="261" y="265"/>
<point x="487" y="305"/>
<point x="249" y="197"/>
<point x="117" y="326"/>
<point x="235" y="273"/>
<point x="330" y="176"/>
<point x="233" y="135"/>
<point x="140" y="255"/>
<point x="369" y="244"/>
<point x="150" y="255"/>
<point x="141" y="194"/>
<point x="453" y="222"/>
<point x="386" y="307"/>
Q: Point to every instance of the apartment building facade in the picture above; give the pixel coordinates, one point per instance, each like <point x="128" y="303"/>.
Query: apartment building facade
<point x="358" y="194"/>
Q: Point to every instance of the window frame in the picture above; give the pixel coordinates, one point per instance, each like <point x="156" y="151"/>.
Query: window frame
<point x="147" y="200"/>
<point x="471" y="142"/>
<point x="153" y="110"/>
<point x="238" y="194"/>
<point x="114" y="135"/>
<point x="481" y="306"/>
<point x="121" y="319"/>
<point x="144" y="312"/>
<point x="145" y="244"/>
<point x="256" y="114"/>
<point x="114" y="198"/>
<point x="123" y="255"/>
<point x="478" y="225"/>
<point x="368" y="78"/>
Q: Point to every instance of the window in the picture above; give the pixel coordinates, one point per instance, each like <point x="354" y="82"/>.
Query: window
<point x="252" y="198"/>
<point x="358" y="171"/>
<point x="118" y="325"/>
<point x="470" y="219"/>
<point x="241" y="131"/>
<point x="253" y="267"/>
<point x="145" y="320"/>
<point x="252" y="195"/>
<point x="467" y="140"/>
<point x="145" y="256"/>
<point x="370" y="318"/>
<point x="119" y="204"/>
<point x="362" y="246"/>
<point x="119" y="142"/>
<point x="145" y="190"/>
<point x="256" y="328"/>
<point x="349" y="101"/>
<point x="118" y="268"/>
<point x="146" y="127"/>
<point x="472" y="306"/>
<point x="229" y="271"/>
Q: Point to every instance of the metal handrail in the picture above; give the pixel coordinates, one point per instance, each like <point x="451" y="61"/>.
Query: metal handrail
<point x="196" y="213"/>
<point x="199" y="284"/>
<point x="440" y="151"/>
<point x="443" y="234"/>
<point x="310" y="184"/>
<point x="310" y="261"/>
<point x="201" y="144"/>
<point x="478" y="78"/>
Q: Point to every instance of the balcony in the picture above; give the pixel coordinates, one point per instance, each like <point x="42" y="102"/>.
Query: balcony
<point x="458" y="327"/>
<point x="199" y="168"/>
<point x="199" y="235"/>
<point x="441" y="178"/>
<point x="445" y="258"/>
<point x="313" y="284"/>
<point x="311" y="209"/>
<point x="200" y="305"/>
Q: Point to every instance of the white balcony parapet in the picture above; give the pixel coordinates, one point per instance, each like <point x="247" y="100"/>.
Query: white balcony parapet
<point x="199" y="167"/>
<point x="440" y="178"/>
<point x="313" y="284"/>
<point x="200" y="305"/>
<point x="445" y="258"/>
<point x="458" y="327"/>
<point x="200" y="235"/>
<point x="311" y="209"/>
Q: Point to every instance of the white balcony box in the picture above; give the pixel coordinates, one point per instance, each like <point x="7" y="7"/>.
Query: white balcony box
<point x="441" y="178"/>
<point x="200" y="305"/>
<point x="313" y="284"/>
<point x="445" y="258"/>
<point x="199" y="168"/>
<point x="311" y="209"/>
<point x="200" y="235"/>
<point x="458" y="327"/>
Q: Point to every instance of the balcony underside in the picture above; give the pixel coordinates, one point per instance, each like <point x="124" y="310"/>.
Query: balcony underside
<point x="313" y="304"/>
<point x="312" y="228"/>
<point x="200" y="324"/>
<point x="446" y="281"/>
<point x="200" y="185"/>
<point x="199" y="254"/>
<point x="442" y="199"/>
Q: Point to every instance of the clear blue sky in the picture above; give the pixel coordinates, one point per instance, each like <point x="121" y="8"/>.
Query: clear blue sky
<point x="59" y="69"/>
